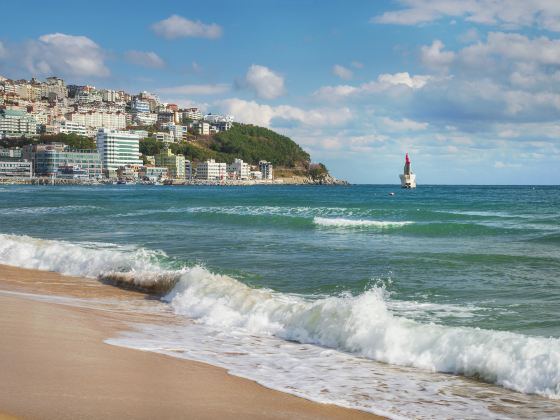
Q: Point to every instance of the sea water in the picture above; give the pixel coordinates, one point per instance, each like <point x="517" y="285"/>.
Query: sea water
<point x="438" y="302"/>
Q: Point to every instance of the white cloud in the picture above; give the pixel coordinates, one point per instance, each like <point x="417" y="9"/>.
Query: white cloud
<point x="176" y="26"/>
<point x="260" y="114"/>
<point x="342" y="72"/>
<point x="506" y="13"/>
<point x="335" y="92"/>
<point x="264" y="82"/>
<point x="404" y="125"/>
<point x="414" y="82"/>
<point x="144" y="58"/>
<point x="65" y="55"/>
<point x="384" y="82"/>
<point x="515" y="47"/>
<point x="505" y="165"/>
<point x="209" y="89"/>
<point x="434" y="57"/>
<point x="357" y="65"/>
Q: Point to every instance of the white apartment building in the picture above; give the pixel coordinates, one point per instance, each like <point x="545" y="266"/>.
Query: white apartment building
<point x="266" y="169"/>
<point x="238" y="170"/>
<point x="192" y="113"/>
<point x="166" y="137"/>
<point x="69" y="127"/>
<point x="14" y="123"/>
<point x="116" y="149"/>
<point x="141" y="106"/>
<point x="109" y="95"/>
<point x="202" y="128"/>
<point x="96" y="119"/>
<point x="145" y="118"/>
<point x="211" y="170"/>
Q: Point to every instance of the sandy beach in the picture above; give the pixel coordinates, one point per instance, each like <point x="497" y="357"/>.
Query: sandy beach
<point x="55" y="364"/>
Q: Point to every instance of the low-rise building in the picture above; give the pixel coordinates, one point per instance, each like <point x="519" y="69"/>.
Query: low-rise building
<point x="266" y="169"/>
<point x="145" y="118"/>
<point x="202" y="128"/>
<point x="192" y="114"/>
<point x="69" y="127"/>
<point x="238" y="170"/>
<point x="11" y="153"/>
<point x="189" y="170"/>
<point x="211" y="170"/>
<point x="153" y="173"/>
<point x="175" y="164"/>
<point x="16" y="169"/>
<point x="48" y="159"/>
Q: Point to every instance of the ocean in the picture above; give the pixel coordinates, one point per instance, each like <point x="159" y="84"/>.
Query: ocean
<point x="439" y="302"/>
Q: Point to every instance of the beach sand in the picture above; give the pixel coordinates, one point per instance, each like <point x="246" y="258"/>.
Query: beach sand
<point x="55" y="365"/>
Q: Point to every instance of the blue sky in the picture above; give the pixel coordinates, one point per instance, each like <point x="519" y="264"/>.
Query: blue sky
<point x="470" y="88"/>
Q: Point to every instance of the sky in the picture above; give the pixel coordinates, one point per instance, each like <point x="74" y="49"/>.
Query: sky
<point x="469" y="88"/>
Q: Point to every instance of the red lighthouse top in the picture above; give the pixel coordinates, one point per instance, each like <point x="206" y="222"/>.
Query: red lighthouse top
<point x="407" y="159"/>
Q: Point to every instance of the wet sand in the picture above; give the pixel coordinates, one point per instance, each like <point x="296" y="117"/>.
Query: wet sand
<point x="55" y="364"/>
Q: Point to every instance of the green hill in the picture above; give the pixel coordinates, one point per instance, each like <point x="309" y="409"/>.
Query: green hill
<point x="244" y="141"/>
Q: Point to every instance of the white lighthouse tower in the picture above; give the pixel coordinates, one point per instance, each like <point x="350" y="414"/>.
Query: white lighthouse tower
<point x="408" y="178"/>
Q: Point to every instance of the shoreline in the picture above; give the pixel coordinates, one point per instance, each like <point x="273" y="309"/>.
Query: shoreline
<point x="55" y="363"/>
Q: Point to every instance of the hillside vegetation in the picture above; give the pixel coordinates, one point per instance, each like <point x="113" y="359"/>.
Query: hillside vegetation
<point x="247" y="142"/>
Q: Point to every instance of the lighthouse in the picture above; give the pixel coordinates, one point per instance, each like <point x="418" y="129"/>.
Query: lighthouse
<point x="408" y="178"/>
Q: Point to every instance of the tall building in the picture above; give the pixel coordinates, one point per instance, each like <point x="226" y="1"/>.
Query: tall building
<point x="211" y="170"/>
<point x="117" y="148"/>
<point x="175" y="164"/>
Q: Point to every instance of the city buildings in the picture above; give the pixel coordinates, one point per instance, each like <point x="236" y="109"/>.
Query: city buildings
<point x="211" y="170"/>
<point x="117" y="148"/>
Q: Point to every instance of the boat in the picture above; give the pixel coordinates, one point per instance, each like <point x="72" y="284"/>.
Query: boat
<point x="408" y="178"/>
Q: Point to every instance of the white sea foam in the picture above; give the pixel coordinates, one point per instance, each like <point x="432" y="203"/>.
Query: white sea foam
<point x="352" y="223"/>
<point x="361" y="325"/>
<point x="46" y="210"/>
<point x="89" y="260"/>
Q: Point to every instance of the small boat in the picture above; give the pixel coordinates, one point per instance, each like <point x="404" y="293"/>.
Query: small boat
<point x="408" y="178"/>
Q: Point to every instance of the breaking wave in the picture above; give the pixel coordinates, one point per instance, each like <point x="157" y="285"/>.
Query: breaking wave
<point x="362" y="325"/>
<point x="351" y="223"/>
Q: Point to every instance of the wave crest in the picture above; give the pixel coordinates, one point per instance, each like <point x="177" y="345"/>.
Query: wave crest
<point x="352" y="223"/>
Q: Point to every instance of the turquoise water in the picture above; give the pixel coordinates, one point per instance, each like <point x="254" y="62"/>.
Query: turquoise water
<point x="454" y="257"/>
